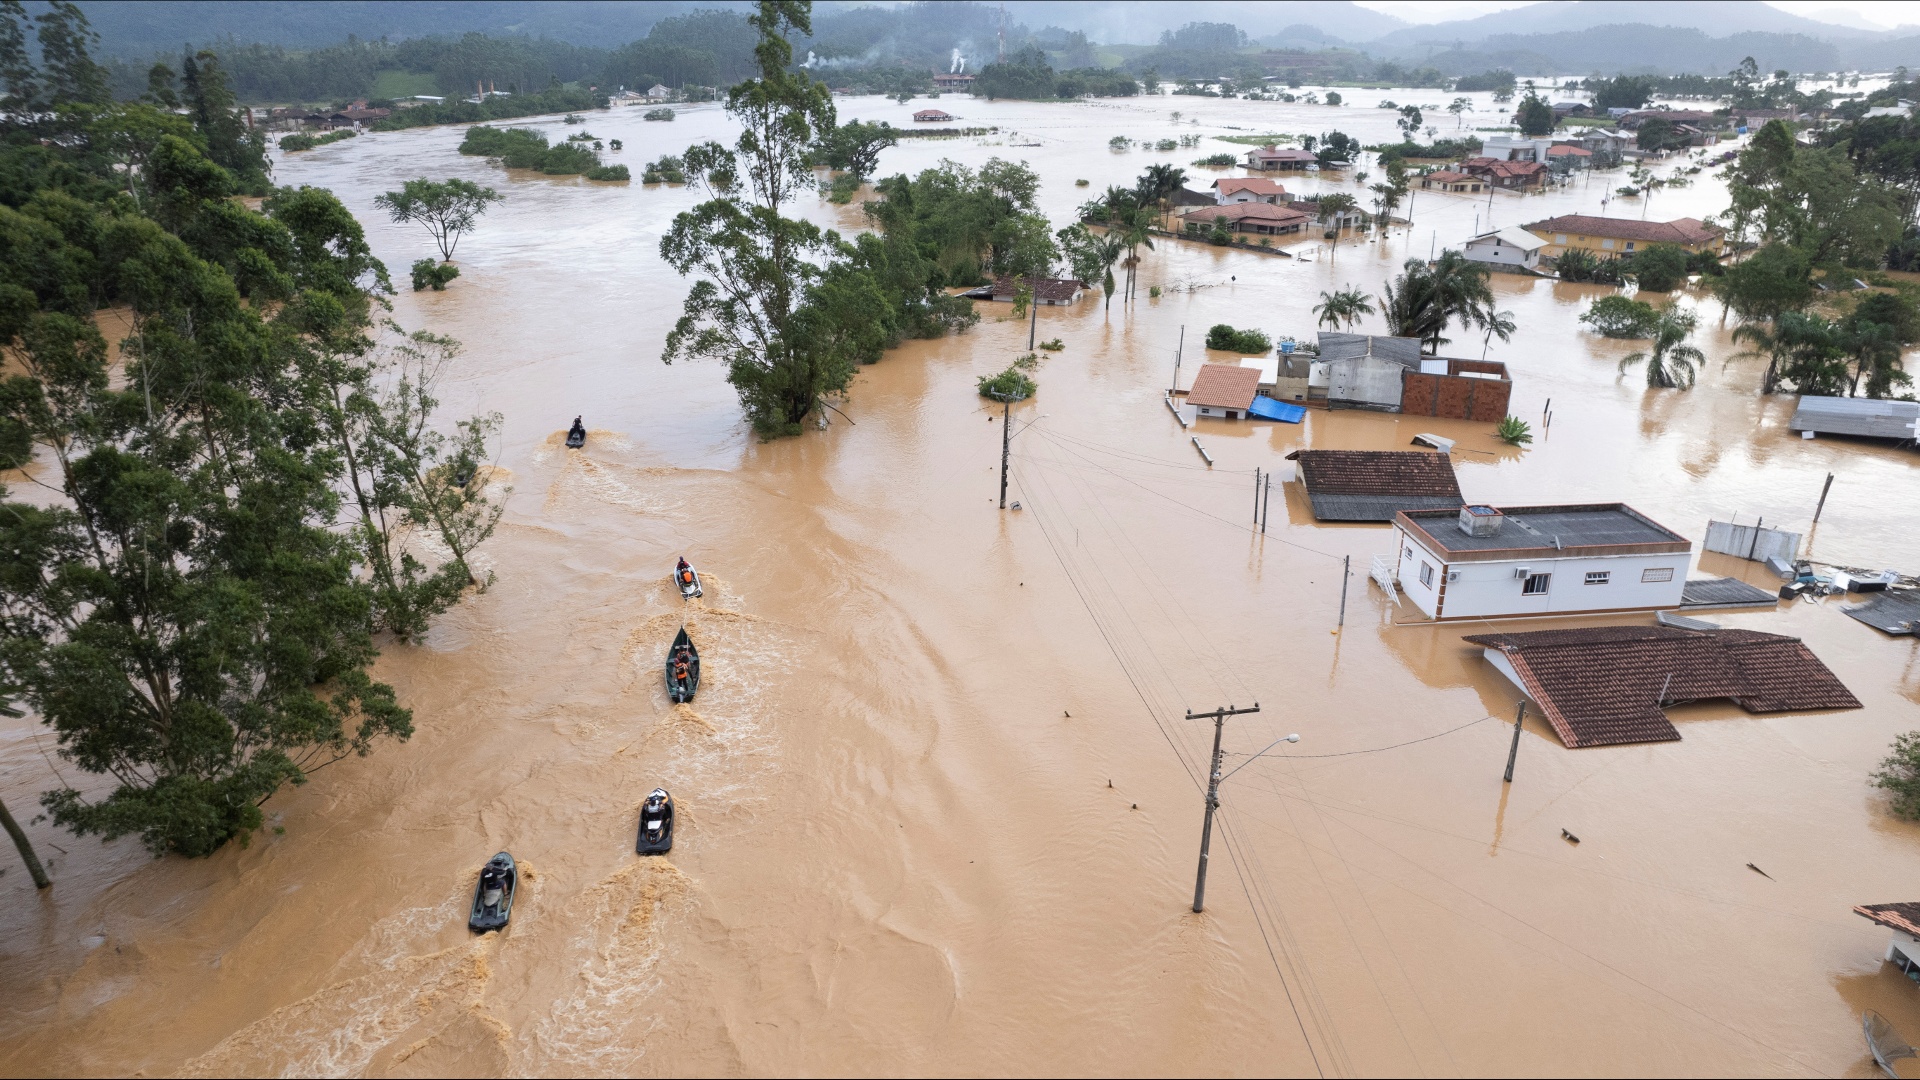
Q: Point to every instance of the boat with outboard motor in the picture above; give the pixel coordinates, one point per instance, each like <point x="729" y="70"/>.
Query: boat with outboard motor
<point x="683" y="668"/>
<point x="576" y="435"/>
<point x="656" y="824"/>
<point x="685" y="576"/>
<point x="493" y="894"/>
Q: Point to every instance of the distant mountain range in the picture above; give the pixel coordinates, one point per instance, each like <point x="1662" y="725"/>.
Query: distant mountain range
<point x="1552" y="37"/>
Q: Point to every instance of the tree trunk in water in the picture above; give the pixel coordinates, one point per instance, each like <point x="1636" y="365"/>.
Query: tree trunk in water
<point x="40" y="880"/>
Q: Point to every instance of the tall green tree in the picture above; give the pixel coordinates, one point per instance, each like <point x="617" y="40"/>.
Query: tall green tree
<point x="229" y="141"/>
<point x="754" y="266"/>
<point x="1535" y="116"/>
<point x="448" y="209"/>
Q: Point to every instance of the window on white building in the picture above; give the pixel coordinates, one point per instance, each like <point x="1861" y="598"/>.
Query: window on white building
<point x="1663" y="573"/>
<point x="1536" y="584"/>
<point x="1426" y="574"/>
<point x="1598" y="577"/>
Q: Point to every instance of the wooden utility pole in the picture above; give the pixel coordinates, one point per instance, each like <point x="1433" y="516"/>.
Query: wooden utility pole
<point x="1823" y="498"/>
<point x="34" y="869"/>
<point x="1346" y="571"/>
<point x="1219" y="717"/>
<point x="1514" y="751"/>
<point x="1256" y="494"/>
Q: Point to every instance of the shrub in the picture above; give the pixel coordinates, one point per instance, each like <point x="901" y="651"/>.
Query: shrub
<point x="1011" y="384"/>
<point x="1153" y="292"/>
<point x="523" y="148"/>
<point x="1579" y="265"/>
<point x="1166" y="144"/>
<point x="1081" y="183"/>
<point x="657" y="114"/>
<point x="1659" y="267"/>
<point x="1618" y="316"/>
<point x="1514" y="430"/>
<point x="668" y="170"/>
<point x="433" y="274"/>
<point x="1053" y="346"/>
<point x="1899" y="773"/>
<point x="572" y="118"/>
<point x="300" y="140"/>
<point x="609" y="172"/>
<point x="1119" y="142"/>
<point x="615" y="144"/>
<point x="1227" y="339"/>
<point x="842" y="189"/>
<point x="1220" y="234"/>
<point x="1217" y="161"/>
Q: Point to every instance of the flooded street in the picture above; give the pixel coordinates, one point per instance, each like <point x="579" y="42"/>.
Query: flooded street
<point x="939" y="805"/>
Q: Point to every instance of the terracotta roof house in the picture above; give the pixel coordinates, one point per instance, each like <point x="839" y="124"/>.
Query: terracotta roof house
<point x="1449" y="180"/>
<point x="1270" y="158"/>
<point x="1569" y="157"/>
<point x="1506" y="174"/>
<point x="1672" y="116"/>
<point x="1223" y="390"/>
<point x="1048" y="292"/>
<point x="1614" y="237"/>
<point x="932" y="116"/>
<point x="1374" y="485"/>
<point x="1248" y="217"/>
<point x="1245" y="189"/>
<point x="944" y="81"/>
<point x="1609" y="685"/>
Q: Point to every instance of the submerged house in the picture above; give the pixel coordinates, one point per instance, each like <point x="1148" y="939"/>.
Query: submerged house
<point x="1375" y="485"/>
<point x="1047" y="292"/>
<point x="1244" y="189"/>
<point x="1481" y="562"/>
<point x="1365" y="371"/>
<point x="1867" y="417"/>
<point x="1611" y="685"/>
<point x="1268" y="158"/>
<point x="1224" y="391"/>
<point x="1261" y="218"/>
<point x="1510" y="248"/>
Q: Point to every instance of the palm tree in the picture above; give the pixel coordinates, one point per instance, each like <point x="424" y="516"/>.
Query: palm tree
<point x="1109" y="248"/>
<point x="1135" y="225"/>
<point x="1159" y="183"/>
<point x="1345" y="306"/>
<point x="1671" y="363"/>
<point x="1425" y="298"/>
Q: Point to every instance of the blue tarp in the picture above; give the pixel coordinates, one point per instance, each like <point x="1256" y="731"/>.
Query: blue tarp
<point x="1269" y="409"/>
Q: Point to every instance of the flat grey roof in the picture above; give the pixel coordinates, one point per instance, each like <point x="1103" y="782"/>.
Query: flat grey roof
<point x="1531" y="528"/>
<point x="1333" y="507"/>
<point x="1725" y="592"/>
<point x="1856" y="416"/>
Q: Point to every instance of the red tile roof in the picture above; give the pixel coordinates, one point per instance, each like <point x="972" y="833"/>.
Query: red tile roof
<point x="1377" y="472"/>
<point x="1568" y="151"/>
<point x="1497" y="167"/>
<point x="1904" y="917"/>
<point x="1608" y="685"/>
<point x="1684" y="231"/>
<point x="1259" y="185"/>
<point x="1224" y="386"/>
<point x="1447" y="176"/>
<point x="1264" y="213"/>
<point x="931" y="115"/>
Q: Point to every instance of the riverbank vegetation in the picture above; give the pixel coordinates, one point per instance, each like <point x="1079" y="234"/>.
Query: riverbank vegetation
<point x="1027" y="75"/>
<point x="191" y="606"/>
<point x="301" y="140"/>
<point x="524" y="148"/>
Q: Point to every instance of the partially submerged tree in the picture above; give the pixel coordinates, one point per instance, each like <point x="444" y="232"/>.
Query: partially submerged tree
<point x="447" y="209"/>
<point x="1671" y="363"/>
<point x="1346" y="306"/>
<point x="1424" y="299"/>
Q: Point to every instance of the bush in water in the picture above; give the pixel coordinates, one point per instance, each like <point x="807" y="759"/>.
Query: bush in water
<point x="1621" y="317"/>
<point x="1514" y="430"/>
<point x="1899" y="773"/>
<point x="1227" y="339"/>
<point x="658" y="114"/>
<point x="1011" y="384"/>
<point x="609" y="172"/>
<point x="433" y="274"/>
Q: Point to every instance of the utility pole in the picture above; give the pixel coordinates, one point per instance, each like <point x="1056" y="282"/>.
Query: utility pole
<point x="1514" y="751"/>
<point x="1033" y="327"/>
<point x="1219" y="717"/>
<point x="1177" y="349"/>
<point x="1006" y="445"/>
<point x="1823" y="499"/>
<point x="1267" y="512"/>
<point x="1346" y="571"/>
<point x="1256" y="494"/>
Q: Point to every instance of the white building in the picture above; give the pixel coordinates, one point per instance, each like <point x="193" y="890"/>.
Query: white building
<point x="659" y="92"/>
<point x="1516" y="148"/>
<point x="1508" y="248"/>
<point x="1483" y="562"/>
<point x="1245" y="189"/>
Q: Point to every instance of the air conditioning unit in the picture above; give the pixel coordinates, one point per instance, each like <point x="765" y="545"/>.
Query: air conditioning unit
<point x="1522" y="571"/>
<point x="1453" y="575"/>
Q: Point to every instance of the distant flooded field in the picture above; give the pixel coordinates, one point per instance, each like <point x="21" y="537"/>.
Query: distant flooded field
<point x="938" y="802"/>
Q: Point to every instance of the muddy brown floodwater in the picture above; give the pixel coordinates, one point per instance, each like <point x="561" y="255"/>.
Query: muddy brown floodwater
<point x="940" y="808"/>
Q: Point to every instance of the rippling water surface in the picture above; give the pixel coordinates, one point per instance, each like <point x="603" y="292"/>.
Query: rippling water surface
<point x="939" y="803"/>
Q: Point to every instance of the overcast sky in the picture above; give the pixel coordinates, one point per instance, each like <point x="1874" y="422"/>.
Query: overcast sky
<point x="1886" y="13"/>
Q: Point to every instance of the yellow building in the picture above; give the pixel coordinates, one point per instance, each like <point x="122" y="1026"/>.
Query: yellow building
<point x="1613" y="238"/>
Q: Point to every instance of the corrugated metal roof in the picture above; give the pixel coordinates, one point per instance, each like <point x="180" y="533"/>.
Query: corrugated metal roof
<point x="1890" y="612"/>
<point x="1401" y="350"/>
<point x="1532" y="527"/>
<point x="1725" y="592"/>
<point x="1856" y="416"/>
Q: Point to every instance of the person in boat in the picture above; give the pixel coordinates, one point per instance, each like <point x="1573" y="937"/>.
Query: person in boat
<point x="578" y="430"/>
<point x="686" y="573"/>
<point x="493" y="882"/>
<point x="681" y="666"/>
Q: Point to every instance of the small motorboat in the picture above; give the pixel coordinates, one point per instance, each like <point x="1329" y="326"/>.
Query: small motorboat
<point x="493" y="895"/>
<point x="683" y="668"/>
<point x="685" y="576"/>
<point x="576" y="435"/>
<point x="656" y="824"/>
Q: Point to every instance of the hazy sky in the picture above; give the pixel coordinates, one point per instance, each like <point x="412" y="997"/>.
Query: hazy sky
<point x="1887" y="13"/>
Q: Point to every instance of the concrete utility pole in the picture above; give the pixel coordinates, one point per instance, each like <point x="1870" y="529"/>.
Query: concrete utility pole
<point x="1219" y="717"/>
<point x="1514" y="751"/>
<point x="1823" y="498"/>
<point x="1006" y="445"/>
<point x="1177" y="349"/>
